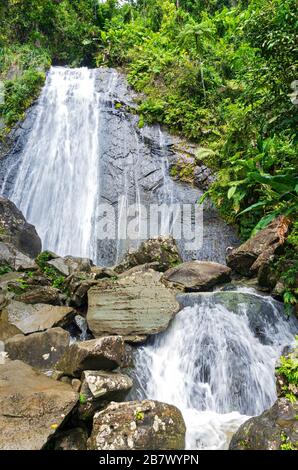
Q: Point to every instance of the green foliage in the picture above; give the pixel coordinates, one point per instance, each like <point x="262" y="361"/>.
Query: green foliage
<point x="82" y="399"/>
<point x="51" y="273"/>
<point x="5" y="269"/>
<point x="43" y="258"/>
<point x="139" y="415"/>
<point x="285" y="444"/>
<point x="289" y="368"/>
<point x="19" y="94"/>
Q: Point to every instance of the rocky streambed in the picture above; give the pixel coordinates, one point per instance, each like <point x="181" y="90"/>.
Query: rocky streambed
<point x="79" y="342"/>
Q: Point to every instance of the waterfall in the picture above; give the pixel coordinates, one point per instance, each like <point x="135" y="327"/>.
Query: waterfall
<point x="81" y="147"/>
<point x="57" y="180"/>
<point x="216" y="362"/>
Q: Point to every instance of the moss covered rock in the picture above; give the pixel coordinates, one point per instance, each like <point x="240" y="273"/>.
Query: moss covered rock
<point x="138" y="426"/>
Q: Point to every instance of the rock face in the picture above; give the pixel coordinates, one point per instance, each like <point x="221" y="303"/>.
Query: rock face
<point x="138" y="304"/>
<point x="31" y="318"/>
<point x="162" y="251"/>
<point x="99" y="388"/>
<point x="16" y="231"/>
<point x="195" y="276"/>
<point x="39" y="350"/>
<point x="32" y="406"/>
<point x="146" y="425"/>
<point x="275" y="429"/>
<point x="106" y="353"/>
<point x="248" y="258"/>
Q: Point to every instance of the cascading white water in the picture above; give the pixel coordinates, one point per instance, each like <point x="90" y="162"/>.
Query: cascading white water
<point x="211" y="364"/>
<point x="57" y="182"/>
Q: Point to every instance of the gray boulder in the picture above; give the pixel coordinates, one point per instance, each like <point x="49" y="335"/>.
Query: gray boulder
<point x="195" y="276"/>
<point x="249" y="257"/>
<point x="39" y="350"/>
<point x="275" y="429"/>
<point x="162" y="251"/>
<point x="39" y="317"/>
<point x="40" y="295"/>
<point x="13" y="258"/>
<point x="99" y="388"/>
<point x="105" y="353"/>
<point x="16" y="231"/>
<point x="135" y="305"/>
<point x="32" y="406"/>
<point x="70" y="264"/>
<point x="146" y="425"/>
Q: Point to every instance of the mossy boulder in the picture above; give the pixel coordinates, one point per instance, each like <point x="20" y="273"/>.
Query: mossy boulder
<point x="162" y="252"/>
<point x="275" y="429"/>
<point x="146" y="425"/>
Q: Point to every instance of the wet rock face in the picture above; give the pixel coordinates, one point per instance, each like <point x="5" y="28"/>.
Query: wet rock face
<point x="275" y="429"/>
<point x="16" y="231"/>
<point x="251" y="256"/>
<point x="137" y="304"/>
<point x="195" y="276"/>
<point x="39" y="350"/>
<point x="138" y="426"/>
<point x="106" y="353"/>
<point x="32" y="406"/>
<point x="162" y="252"/>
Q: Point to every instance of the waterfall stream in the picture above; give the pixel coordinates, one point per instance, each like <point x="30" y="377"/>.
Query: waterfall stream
<point x="216" y="362"/>
<point x="81" y="146"/>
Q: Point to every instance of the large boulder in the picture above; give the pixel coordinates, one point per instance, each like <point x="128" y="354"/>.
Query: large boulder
<point x="32" y="406"/>
<point x="162" y="251"/>
<point x="146" y="425"/>
<point x="249" y="257"/>
<point x="138" y="304"/>
<point x="39" y="350"/>
<point x="77" y="286"/>
<point x="14" y="259"/>
<point x="275" y="429"/>
<point x="40" y="295"/>
<point x="99" y="388"/>
<point x="16" y="231"/>
<point x="105" y="353"/>
<point x="32" y="318"/>
<point x="70" y="264"/>
<point x="195" y="276"/>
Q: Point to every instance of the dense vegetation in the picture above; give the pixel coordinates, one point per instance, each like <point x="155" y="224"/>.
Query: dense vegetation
<point x="220" y="72"/>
